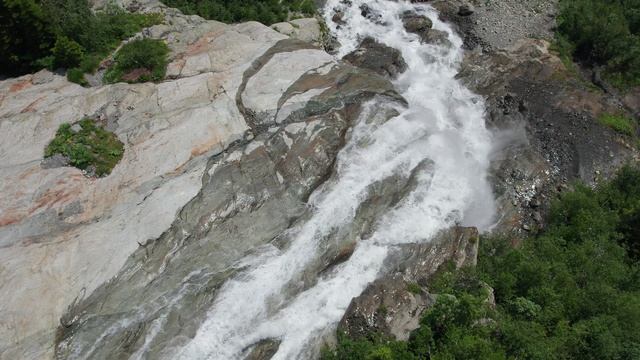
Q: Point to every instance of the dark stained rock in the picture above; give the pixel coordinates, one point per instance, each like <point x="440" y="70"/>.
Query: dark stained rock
<point x="466" y="10"/>
<point x="377" y="57"/>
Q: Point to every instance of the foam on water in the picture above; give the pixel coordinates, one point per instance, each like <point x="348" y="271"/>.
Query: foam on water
<point x="443" y="122"/>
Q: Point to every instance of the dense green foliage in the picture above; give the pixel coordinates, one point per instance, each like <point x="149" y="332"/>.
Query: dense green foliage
<point x="138" y="61"/>
<point x="603" y="33"/>
<point x="231" y="11"/>
<point x="91" y="146"/>
<point x="35" y="34"/>
<point x="25" y="35"/>
<point x="620" y="123"/>
<point x="572" y="292"/>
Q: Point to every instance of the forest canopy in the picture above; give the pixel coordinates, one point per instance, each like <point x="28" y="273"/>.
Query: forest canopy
<point x="232" y="11"/>
<point x="603" y="33"/>
<point x="36" y="34"/>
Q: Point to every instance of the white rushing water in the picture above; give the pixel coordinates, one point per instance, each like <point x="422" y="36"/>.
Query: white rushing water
<point x="443" y="122"/>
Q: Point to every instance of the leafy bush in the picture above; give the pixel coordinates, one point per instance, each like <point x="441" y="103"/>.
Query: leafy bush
<point x="603" y="33"/>
<point x="571" y="293"/>
<point x="62" y="33"/>
<point x="67" y="53"/>
<point x="139" y="60"/>
<point x="619" y="123"/>
<point x="25" y="35"/>
<point x="77" y="76"/>
<point x="231" y="11"/>
<point x="91" y="146"/>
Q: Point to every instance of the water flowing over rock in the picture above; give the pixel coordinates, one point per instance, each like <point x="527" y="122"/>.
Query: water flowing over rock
<point x="264" y="185"/>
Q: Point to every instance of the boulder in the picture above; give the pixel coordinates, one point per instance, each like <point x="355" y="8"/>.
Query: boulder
<point x="415" y="23"/>
<point x="377" y="57"/>
<point x="436" y="37"/>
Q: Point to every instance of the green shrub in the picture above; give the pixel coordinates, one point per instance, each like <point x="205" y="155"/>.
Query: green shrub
<point x="604" y="33"/>
<point x="67" y="53"/>
<point x="25" y="35"/>
<point x="139" y="61"/>
<point x="232" y="11"/>
<point x="619" y="123"/>
<point x="91" y="146"/>
<point x="573" y="292"/>
<point x="414" y="288"/>
<point x="76" y="75"/>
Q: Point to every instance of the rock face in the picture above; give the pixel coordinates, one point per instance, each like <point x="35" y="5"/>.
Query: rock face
<point x="546" y="122"/>
<point x="393" y="305"/>
<point x="378" y="58"/>
<point x="219" y="150"/>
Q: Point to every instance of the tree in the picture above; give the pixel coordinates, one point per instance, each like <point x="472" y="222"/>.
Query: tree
<point x="25" y="35"/>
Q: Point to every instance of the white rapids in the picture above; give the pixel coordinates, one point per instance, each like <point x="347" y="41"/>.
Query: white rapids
<point x="444" y="122"/>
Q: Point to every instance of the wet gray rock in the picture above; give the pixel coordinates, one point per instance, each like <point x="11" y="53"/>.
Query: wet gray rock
<point x="263" y="350"/>
<point x="415" y="23"/>
<point x="436" y="37"/>
<point x="379" y="58"/>
<point x="393" y="305"/>
<point x="422" y="26"/>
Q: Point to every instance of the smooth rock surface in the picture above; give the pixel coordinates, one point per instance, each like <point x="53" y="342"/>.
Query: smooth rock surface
<point x="307" y="30"/>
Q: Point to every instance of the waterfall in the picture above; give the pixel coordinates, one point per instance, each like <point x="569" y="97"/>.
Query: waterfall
<point x="443" y="123"/>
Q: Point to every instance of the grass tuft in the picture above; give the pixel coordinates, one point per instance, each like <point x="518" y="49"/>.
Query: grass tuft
<point x="620" y="123"/>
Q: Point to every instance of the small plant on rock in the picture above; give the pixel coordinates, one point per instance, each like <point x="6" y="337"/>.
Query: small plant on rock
<point x="139" y="61"/>
<point x="87" y="146"/>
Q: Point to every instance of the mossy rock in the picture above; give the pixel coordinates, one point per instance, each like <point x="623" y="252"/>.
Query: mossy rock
<point x="87" y="146"/>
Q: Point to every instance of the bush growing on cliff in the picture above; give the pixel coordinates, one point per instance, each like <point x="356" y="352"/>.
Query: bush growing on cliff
<point x="573" y="292"/>
<point x="90" y="146"/>
<point x="233" y="11"/>
<point x="138" y="61"/>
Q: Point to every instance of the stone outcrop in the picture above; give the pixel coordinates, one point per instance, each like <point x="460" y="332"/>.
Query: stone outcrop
<point x="247" y="124"/>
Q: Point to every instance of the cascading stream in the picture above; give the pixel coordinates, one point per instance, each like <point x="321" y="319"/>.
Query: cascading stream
<point x="443" y="123"/>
